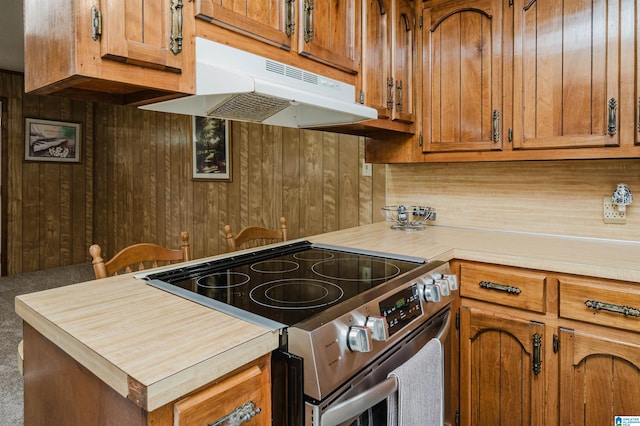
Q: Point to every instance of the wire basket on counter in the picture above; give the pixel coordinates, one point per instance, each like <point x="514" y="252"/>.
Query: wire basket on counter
<point x="409" y="217"/>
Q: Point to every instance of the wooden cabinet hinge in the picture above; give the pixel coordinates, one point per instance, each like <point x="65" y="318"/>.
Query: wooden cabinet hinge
<point x="361" y="97"/>
<point x="457" y="313"/>
<point x="457" y="420"/>
<point x="420" y="140"/>
<point x="510" y="3"/>
<point x="510" y="134"/>
<point x="420" y="22"/>
<point x="96" y="23"/>
<point x="556" y="344"/>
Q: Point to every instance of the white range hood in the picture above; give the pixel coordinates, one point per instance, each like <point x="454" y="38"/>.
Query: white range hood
<point x="241" y="86"/>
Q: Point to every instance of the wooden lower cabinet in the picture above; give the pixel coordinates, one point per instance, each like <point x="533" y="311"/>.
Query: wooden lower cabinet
<point x="243" y="395"/>
<point x="59" y="391"/>
<point x="600" y="377"/>
<point x="599" y="351"/>
<point x="501" y="370"/>
<point x="543" y="348"/>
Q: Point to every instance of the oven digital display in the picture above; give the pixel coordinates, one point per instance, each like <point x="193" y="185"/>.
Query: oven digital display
<point x="401" y="308"/>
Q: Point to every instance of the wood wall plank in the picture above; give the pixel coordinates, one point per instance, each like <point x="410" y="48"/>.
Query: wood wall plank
<point x="134" y="183"/>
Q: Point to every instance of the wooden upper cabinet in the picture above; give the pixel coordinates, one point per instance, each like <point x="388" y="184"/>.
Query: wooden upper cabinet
<point x="328" y="31"/>
<point x="566" y="66"/>
<point x="129" y="52"/>
<point x="403" y="57"/>
<point x="462" y="76"/>
<point x="270" y="21"/>
<point x="144" y="33"/>
<point x="388" y="58"/>
<point x="375" y="71"/>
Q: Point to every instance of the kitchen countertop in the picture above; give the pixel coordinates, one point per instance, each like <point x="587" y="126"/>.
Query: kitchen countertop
<point x="134" y="336"/>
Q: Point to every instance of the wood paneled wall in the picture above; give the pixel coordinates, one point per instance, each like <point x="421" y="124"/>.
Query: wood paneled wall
<point x="143" y="189"/>
<point x="134" y="183"/>
<point x="47" y="205"/>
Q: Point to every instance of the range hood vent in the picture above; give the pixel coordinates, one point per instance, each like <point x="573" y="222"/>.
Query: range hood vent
<point x="249" y="106"/>
<point x="241" y="86"/>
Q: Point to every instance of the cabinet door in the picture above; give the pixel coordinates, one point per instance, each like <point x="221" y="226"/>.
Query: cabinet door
<point x="500" y="370"/>
<point x="403" y="60"/>
<point x="388" y="58"/>
<point x="375" y="71"/>
<point x="462" y="76"/>
<point x="328" y="32"/>
<point x="598" y="378"/>
<point x="566" y="73"/>
<point x="143" y="33"/>
<point x="270" y="21"/>
<point x="245" y="393"/>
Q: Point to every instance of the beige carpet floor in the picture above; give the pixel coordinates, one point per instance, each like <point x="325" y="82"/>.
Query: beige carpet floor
<point x="11" y="386"/>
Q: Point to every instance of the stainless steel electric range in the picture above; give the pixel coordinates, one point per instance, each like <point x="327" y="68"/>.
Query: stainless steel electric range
<point x="341" y="313"/>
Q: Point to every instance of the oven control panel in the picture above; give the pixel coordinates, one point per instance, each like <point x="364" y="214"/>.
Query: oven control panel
<point x="401" y="308"/>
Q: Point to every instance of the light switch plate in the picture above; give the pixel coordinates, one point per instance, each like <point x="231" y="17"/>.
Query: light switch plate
<point x="610" y="212"/>
<point x="367" y="168"/>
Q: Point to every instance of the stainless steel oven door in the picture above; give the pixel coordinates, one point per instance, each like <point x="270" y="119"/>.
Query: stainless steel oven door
<point x="363" y="400"/>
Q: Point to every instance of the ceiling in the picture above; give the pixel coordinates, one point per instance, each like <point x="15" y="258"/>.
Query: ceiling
<point x="11" y="35"/>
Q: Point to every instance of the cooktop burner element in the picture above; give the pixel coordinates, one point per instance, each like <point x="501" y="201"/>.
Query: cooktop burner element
<point x="286" y="284"/>
<point x="295" y="293"/>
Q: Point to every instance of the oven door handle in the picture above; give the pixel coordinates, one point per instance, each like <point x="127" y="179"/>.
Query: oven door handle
<point x="353" y="407"/>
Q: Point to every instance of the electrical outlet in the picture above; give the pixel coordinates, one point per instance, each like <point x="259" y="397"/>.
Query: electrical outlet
<point x="367" y="169"/>
<point x="610" y="212"/>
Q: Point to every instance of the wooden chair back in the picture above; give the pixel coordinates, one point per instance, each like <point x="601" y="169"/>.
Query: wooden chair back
<point x="255" y="236"/>
<point x="138" y="257"/>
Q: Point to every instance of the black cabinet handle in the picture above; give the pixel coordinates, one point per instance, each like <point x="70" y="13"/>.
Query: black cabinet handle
<point x="613" y="121"/>
<point x="500" y="287"/>
<point x="627" y="311"/>
<point x="537" y="347"/>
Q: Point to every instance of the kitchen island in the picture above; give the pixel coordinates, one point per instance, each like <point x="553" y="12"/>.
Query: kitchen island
<point x="151" y="348"/>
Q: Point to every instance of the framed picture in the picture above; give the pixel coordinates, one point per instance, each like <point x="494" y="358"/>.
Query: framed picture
<point x="211" y="153"/>
<point x="56" y="141"/>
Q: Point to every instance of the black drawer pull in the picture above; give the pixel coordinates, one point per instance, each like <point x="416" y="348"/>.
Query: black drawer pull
<point x="627" y="311"/>
<point x="536" y="364"/>
<point x="500" y="287"/>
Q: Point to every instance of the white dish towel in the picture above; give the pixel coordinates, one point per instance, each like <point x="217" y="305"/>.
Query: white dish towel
<point x="420" y="397"/>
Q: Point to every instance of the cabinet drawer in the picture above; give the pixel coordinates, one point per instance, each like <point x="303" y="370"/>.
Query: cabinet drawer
<point x="250" y="386"/>
<point x="515" y="287"/>
<point x="598" y="301"/>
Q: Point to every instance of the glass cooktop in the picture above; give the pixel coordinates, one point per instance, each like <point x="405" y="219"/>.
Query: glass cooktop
<point x="285" y="284"/>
